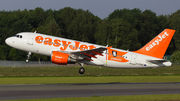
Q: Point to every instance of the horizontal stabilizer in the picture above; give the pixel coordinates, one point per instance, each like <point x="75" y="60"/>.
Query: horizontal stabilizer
<point x="157" y="61"/>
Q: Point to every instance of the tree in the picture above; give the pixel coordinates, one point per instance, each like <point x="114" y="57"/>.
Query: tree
<point x="174" y="24"/>
<point x="67" y="15"/>
<point x="149" y="28"/>
<point x="36" y="17"/>
<point x="82" y="27"/>
<point x="50" y="27"/>
<point x="130" y="40"/>
<point x="3" y="52"/>
<point x="53" y="27"/>
<point x="12" y="54"/>
<point x="39" y="57"/>
<point x="103" y="32"/>
<point x="175" y="56"/>
<point x="20" y="26"/>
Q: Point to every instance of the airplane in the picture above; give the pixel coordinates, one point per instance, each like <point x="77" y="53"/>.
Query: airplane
<point x="66" y="51"/>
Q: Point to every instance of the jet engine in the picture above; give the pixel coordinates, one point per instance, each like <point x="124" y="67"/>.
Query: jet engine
<point x="61" y="58"/>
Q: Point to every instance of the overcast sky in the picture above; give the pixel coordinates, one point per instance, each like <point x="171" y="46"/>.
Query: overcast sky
<point x="101" y="8"/>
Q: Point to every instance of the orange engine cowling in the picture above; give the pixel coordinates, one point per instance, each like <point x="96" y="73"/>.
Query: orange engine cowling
<point x="61" y="58"/>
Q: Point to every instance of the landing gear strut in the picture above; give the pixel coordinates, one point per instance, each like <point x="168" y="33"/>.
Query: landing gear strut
<point x="81" y="70"/>
<point x="28" y="56"/>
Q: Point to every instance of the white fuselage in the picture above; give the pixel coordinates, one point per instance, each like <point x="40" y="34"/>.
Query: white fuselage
<point x="45" y="44"/>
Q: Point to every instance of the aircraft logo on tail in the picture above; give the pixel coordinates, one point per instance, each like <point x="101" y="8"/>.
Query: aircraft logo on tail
<point x="158" y="46"/>
<point x="157" y="41"/>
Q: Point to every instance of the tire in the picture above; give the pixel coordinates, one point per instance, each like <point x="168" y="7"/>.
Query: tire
<point x="27" y="61"/>
<point x="81" y="70"/>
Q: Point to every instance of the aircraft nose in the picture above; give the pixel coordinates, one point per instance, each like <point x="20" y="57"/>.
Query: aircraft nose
<point x="8" y="41"/>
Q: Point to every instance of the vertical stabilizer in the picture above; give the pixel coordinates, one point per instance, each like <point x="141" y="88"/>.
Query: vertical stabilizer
<point x="158" y="46"/>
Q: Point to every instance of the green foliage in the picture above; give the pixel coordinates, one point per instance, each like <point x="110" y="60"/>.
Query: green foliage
<point x="175" y="23"/>
<point x="3" y="53"/>
<point x="103" y="32"/>
<point x="12" y="54"/>
<point x="175" y="56"/>
<point x="39" y="57"/>
<point x="123" y="28"/>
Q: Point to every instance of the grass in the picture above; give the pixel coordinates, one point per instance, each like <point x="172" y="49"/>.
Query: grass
<point x="163" y="97"/>
<point x="90" y="71"/>
<point x="93" y="74"/>
<point x="102" y="79"/>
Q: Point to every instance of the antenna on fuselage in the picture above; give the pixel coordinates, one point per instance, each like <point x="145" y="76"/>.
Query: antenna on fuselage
<point x="35" y="31"/>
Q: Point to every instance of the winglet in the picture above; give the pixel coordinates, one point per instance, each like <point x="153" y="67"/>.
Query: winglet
<point x="158" y="46"/>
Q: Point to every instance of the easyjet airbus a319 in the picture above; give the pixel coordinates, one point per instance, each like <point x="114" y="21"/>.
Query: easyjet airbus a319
<point x="64" y="51"/>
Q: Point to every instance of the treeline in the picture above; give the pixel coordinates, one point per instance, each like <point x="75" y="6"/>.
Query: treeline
<point x="124" y="29"/>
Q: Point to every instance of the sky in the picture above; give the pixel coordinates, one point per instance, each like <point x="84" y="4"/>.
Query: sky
<point x="100" y="8"/>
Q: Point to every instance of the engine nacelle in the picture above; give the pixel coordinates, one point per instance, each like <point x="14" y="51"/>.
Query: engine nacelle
<point x="61" y="58"/>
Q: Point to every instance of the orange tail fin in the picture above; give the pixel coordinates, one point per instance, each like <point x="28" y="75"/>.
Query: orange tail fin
<point x="158" y="46"/>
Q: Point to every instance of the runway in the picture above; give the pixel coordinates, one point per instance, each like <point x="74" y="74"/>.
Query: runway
<point x="34" y="91"/>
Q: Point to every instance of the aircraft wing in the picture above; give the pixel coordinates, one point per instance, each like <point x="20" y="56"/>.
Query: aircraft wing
<point x="88" y="54"/>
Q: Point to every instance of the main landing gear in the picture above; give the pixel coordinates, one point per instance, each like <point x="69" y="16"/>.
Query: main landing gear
<point x="28" y="56"/>
<point x="81" y="70"/>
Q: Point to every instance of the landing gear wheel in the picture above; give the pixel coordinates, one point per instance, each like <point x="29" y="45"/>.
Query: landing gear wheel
<point x="27" y="61"/>
<point x="81" y="70"/>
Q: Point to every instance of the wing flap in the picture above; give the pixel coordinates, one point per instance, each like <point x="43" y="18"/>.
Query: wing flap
<point x="88" y="54"/>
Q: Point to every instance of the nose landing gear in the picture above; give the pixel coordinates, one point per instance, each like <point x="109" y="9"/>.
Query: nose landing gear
<point x="28" y="56"/>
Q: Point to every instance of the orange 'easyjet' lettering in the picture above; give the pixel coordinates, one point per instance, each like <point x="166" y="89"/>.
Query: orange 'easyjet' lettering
<point x="56" y="43"/>
<point x="65" y="45"/>
<point x="39" y="39"/>
<point x="48" y="41"/>
<point x="83" y="47"/>
<point x="76" y="45"/>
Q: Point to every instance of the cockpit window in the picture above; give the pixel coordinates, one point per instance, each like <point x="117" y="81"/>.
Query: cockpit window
<point x="18" y="36"/>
